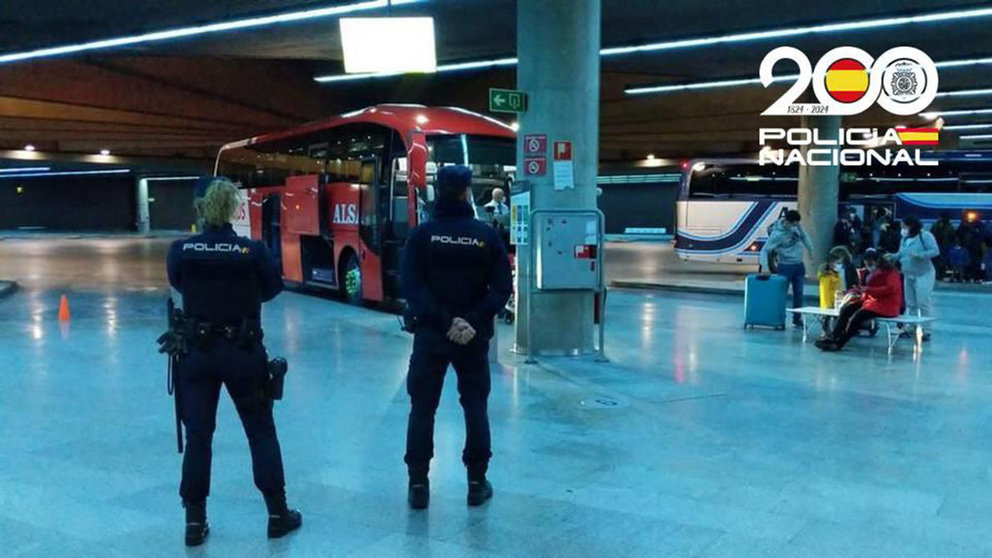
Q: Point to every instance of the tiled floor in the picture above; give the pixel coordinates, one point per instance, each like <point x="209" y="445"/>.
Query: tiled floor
<point x="699" y="439"/>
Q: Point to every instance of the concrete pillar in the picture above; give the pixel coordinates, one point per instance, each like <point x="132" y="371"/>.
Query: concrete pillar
<point x="141" y="197"/>
<point x="819" y="191"/>
<point x="558" y="50"/>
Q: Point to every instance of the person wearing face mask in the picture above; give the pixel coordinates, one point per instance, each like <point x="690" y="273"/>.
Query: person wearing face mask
<point x="868" y="260"/>
<point x="838" y="275"/>
<point x="916" y="252"/>
<point x="879" y="298"/>
<point x="786" y="240"/>
<point x="842" y="262"/>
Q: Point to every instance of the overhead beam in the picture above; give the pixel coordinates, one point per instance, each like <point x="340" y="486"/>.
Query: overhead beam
<point x="47" y="110"/>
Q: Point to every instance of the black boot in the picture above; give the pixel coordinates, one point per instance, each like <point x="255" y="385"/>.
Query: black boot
<point x="479" y="489"/>
<point x="197" y="527"/>
<point x="282" y="520"/>
<point x="419" y="492"/>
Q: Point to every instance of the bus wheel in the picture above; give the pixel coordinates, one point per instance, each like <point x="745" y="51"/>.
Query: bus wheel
<point x="351" y="278"/>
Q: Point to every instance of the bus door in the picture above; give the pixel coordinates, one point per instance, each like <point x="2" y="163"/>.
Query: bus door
<point x="397" y="224"/>
<point x="370" y="229"/>
<point x="271" y="226"/>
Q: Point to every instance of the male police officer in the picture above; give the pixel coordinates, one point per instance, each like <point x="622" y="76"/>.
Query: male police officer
<point x="223" y="279"/>
<point x="455" y="277"/>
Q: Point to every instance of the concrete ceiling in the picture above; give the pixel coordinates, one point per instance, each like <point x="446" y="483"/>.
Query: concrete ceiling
<point x="186" y="97"/>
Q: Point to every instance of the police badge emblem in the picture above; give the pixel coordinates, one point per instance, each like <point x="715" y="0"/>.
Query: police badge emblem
<point x="903" y="80"/>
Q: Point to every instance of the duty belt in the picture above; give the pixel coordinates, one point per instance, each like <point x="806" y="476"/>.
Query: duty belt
<point x="245" y="333"/>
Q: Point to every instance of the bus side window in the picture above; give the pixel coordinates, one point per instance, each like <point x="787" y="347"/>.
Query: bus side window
<point x="318" y="156"/>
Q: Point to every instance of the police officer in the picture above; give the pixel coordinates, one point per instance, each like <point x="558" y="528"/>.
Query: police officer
<point x="455" y="277"/>
<point x="223" y="279"/>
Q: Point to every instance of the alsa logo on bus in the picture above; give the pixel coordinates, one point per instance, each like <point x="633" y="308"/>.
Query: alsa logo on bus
<point x="848" y="81"/>
<point x="345" y="214"/>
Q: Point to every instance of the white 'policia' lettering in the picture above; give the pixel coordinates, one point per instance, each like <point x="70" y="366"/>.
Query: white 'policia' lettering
<point x="216" y="247"/>
<point x="462" y="240"/>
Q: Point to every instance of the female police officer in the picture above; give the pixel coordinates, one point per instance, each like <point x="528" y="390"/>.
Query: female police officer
<point x="223" y="279"/>
<point x="455" y="277"/>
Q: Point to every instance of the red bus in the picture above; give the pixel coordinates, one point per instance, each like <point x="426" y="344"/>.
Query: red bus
<point x="334" y="200"/>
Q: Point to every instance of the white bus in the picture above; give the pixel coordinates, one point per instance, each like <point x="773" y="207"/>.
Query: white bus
<point x="725" y="206"/>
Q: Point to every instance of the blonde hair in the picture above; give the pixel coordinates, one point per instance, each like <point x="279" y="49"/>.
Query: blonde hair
<point x="842" y="253"/>
<point x="218" y="205"/>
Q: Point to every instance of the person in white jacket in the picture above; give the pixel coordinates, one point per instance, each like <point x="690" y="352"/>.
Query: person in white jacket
<point x="916" y="253"/>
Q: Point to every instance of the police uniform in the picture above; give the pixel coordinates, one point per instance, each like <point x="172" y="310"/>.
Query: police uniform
<point x="223" y="279"/>
<point x="453" y="266"/>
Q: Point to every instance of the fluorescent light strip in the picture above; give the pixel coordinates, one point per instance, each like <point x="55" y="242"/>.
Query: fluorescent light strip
<point x="167" y="178"/>
<point x="965" y="112"/>
<point x="966" y="62"/>
<point x="792" y="77"/>
<point x="797" y="31"/>
<point x="968" y="127"/>
<point x="978" y="137"/>
<point x="480" y="65"/>
<point x="704" y="85"/>
<point x="709" y="41"/>
<point x="201" y="30"/>
<point x="65" y="173"/>
<point x="25" y="169"/>
<point x="965" y="93"/>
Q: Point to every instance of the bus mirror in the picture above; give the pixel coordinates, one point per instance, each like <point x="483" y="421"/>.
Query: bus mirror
<point x="430" y="193"/>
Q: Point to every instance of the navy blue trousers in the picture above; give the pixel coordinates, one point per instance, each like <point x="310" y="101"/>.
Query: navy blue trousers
<point x="432" y="353"/>
<point x="243" y="372"/>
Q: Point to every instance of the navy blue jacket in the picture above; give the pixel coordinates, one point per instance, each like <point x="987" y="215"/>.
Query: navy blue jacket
<point x="455" y="266"/>
<point x="223" y="277"/>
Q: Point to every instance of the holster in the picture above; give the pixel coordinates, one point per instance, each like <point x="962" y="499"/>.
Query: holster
<point x="276" y="370"/>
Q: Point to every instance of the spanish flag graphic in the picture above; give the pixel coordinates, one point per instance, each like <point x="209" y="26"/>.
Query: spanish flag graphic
<point x="918" y="136"/>
<point x="847" y="80"/>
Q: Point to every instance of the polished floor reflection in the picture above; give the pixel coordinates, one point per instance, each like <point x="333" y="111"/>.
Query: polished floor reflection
<point x="698" y="439"/>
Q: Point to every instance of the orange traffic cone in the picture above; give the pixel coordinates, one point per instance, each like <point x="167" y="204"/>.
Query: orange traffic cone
<point x="64" y="315"/>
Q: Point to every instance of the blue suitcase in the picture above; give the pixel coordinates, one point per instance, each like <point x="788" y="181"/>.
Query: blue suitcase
<point x="764" y="301"/>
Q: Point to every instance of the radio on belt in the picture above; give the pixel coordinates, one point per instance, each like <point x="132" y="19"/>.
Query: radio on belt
<point x="568" y="250"/>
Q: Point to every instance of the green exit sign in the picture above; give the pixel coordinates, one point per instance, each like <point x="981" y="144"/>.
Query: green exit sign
<point x="507" y="100"/>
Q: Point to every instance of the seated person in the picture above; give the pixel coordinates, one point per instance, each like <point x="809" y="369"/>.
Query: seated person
<point x="871" y="255"/>
<point x="881" y="297"/>
<point x="838" y="275"/>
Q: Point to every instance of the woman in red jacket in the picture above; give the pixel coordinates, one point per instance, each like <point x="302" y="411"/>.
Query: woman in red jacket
<point x="881" y="297"/>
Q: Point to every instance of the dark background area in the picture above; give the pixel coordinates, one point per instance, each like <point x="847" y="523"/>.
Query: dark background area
<point x="78" y="203"/>
<point x="170" y="205"/>
<point x="647" y="205"/>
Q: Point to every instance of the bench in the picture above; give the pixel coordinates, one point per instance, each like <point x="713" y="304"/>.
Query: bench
<point x="892" y="325"/>
<point x="807" y="311"/>
<point x="911" y="321"/>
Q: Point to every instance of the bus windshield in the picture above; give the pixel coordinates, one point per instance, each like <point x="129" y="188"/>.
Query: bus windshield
<point x="491" y="159"/>
<point x="723" y="181"/>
